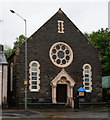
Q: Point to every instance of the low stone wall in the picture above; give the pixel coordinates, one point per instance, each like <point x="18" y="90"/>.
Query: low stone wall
<point x="42" y="106"/>
<point x="93" y="105"/>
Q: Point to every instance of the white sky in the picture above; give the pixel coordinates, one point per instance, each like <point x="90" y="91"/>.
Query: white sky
<point x="87" y="15"/>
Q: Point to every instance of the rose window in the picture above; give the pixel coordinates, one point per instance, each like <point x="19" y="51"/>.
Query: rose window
<point x="61" y="54"/>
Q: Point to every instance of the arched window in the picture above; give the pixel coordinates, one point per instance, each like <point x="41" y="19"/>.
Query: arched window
<point x="87" y="77"/>
<point x="34" y="72"/>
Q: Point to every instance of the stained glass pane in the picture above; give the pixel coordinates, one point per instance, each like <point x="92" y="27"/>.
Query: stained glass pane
<point x="58" y="61"/>
<point x="67" y="51"/>
<point x="87" y="67"/>
<point x="34" y="68"/>
<point x="64" y="61"/>
<point x="61" y="54"/>
<point x="58" y="47"/>
<point x="54" y="56"/>
<point x="34" y="73"/>
<point x="34" y="87"/>
<point x="34" y="78"/>
<point x="34" y="65"/>
<point x="87" y="71"/>
<point x="87" y="84"/>
<point x="67" y="57"/>
<point x="87" y="88"/>
<point x="86" y="80"/>
<point x="34" y="83"/>
<point x="63" y="47"/>
<point x="54" y="51"/>
<point x="86" y="75"/>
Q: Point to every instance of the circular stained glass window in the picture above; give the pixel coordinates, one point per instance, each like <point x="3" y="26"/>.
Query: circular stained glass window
<point x="61" y="54"/>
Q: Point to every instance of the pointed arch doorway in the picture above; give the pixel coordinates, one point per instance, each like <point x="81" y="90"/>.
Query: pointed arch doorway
<point x="62" y="89"/>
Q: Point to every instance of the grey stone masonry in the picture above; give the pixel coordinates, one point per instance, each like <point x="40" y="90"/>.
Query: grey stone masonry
<point x="38" y="46"/>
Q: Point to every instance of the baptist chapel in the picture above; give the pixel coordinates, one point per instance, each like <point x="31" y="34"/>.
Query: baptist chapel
<point x="60" y="60"/>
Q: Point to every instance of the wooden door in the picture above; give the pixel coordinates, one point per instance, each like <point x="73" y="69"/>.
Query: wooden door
<point x="61" y="93"/>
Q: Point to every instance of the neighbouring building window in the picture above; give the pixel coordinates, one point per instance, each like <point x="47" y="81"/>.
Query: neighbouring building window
<point x="34" y="71"/>
<point x="87" y="78"/>
<point x="60" y="26"/>
<point x="11" y="76"/>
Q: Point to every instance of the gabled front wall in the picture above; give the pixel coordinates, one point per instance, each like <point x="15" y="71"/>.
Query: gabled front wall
<point x="39" y="45"/>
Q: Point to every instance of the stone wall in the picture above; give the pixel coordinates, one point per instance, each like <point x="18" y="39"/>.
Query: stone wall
<point x="39" y="45"/>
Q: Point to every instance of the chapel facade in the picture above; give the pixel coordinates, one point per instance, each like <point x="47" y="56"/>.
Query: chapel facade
<point x="60" y="60"/>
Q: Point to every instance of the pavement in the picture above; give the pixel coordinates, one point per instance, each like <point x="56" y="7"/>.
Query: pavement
<point x="37" y="114"/>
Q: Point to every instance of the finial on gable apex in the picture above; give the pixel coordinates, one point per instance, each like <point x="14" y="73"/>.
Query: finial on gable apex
<point x="59" y="11"/>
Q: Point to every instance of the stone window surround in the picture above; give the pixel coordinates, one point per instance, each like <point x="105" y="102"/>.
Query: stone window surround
<point x="90" y="77"/>
<point x="60" y="26"/>
<point x="71" y="55"/>
<point x="38" y="76"/>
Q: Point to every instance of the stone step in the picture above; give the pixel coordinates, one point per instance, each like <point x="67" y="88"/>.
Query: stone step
<point x="43" y="105"/>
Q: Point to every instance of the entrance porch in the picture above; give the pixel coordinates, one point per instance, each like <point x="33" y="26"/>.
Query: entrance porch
<point x="62" y="89"/>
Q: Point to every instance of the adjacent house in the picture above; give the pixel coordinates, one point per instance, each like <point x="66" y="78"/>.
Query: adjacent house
<point x="106" y="88"/>
<point x="3" y="77"/>
<point x="60" y="60"/>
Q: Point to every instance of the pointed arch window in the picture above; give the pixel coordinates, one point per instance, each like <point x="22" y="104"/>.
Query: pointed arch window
<point x="34" y="82"/>
<point x="87" y="77"/>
